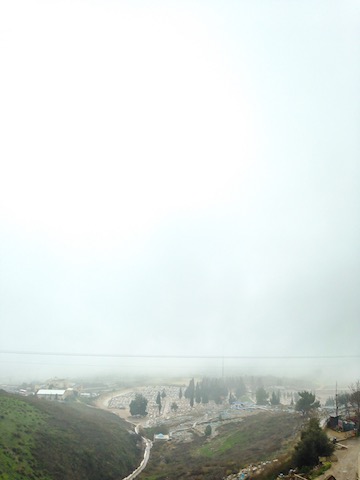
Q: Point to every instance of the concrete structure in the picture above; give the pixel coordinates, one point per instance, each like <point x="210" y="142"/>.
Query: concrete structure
<point x="160" y="437"/>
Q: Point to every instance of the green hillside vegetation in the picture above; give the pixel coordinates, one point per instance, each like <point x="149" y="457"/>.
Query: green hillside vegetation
<point x="46" y="440"/>
<point x="235" y="445"/>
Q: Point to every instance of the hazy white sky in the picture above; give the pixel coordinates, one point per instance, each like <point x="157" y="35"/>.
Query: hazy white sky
<point x="180" y="177"/>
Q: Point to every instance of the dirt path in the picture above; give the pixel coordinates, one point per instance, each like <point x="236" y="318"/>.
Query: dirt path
<point x="103" y="402"/>
<point x="346" y="467"/>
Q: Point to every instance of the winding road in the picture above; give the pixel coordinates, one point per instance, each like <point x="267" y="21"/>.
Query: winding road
<point x="140" y="468"/>
<point x="104" y="403"/>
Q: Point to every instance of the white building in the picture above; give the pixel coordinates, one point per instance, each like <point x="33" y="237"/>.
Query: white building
<point x="54" y="394"/>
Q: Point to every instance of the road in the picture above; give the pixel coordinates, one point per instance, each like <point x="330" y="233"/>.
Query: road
<point x="148" y="445"/>
<point x="103" y="403"/>
<point x="346" y="468"/>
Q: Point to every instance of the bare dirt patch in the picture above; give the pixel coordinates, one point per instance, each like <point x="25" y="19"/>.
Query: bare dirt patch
<point x="345" y="468"/>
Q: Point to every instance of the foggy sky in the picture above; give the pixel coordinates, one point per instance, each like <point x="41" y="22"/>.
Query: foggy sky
<point x="179" y="178"/>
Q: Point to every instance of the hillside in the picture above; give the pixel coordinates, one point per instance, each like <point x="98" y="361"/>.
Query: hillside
<point x="46" y="440"/>
<point x="257" y="438"/>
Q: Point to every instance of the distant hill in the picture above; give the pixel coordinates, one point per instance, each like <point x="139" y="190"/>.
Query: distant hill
<point x="46" y="440"/>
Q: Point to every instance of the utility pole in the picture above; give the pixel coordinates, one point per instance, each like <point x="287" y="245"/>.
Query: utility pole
<point x="336" y="400"/>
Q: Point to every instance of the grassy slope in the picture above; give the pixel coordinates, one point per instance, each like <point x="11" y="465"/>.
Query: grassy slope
<point x="257" y="438"/>
<point x="55" y="441"/>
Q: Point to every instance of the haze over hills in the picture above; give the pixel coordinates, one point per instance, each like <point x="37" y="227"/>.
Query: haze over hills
<point x="314" y="370"/>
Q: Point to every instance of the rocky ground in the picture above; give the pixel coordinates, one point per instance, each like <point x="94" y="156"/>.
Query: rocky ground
<point x="187" y="418"/>
<point x="180" y="421"/>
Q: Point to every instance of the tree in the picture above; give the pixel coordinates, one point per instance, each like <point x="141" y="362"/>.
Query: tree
<point x="174" y="406"/>
<point x="197" y="393"/>
<point x="355" y="399"/>
<point x="208" y="430"/>
<point x="240" y="388"/>
<point x="343" y="399"/>
<point x="180" y="393"/>
<point x="314" y="443"/>
<point x="306" y="402"/>
<point x="205" y="397"/>
<point x="275" y="398"/>
<point x="138" y="405"/>
<point x="158" y="401"/>
<point x="190" y="390"/>
<point x="261" y="396"/>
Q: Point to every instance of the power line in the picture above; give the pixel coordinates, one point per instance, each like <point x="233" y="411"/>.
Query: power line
<point x="175" y="356"/>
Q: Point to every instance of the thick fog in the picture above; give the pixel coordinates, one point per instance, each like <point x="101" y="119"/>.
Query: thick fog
<point x="179" y="179"/>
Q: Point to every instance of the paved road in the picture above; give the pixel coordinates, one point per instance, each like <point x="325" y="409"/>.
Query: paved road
<point x="103" y="403"/>
<point x="148" y="445"/>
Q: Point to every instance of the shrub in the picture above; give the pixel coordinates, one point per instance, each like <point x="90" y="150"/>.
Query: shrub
<point x="313" y="444"/>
